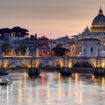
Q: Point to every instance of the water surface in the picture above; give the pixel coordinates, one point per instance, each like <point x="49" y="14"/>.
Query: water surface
<point x="50" y="88"/>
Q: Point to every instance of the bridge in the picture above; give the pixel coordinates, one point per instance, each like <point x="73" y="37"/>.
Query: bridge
<point x="29" y="61"/>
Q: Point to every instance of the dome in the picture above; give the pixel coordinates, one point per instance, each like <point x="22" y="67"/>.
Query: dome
<point x="98" y="24"/>
<point x="99" y="20"/>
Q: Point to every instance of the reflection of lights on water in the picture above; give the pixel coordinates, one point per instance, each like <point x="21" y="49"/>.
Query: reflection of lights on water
<point x="81" y="97"/>
<point x="20" y="93"/>
<point x="76" y="97"/>
<point x="78" y="91"/>
<point x="103" y="82"/>
<point x="43" y="83"/>
<point x="25" y="78"/>
<point x="48" y="93"/>
<point x="59" y="76"/>
<point x="25" y="75"/>
<point x="76" y="80"/>
<point x="20" y="96"/>
<point x="59" y="86"/>
<point x="7" y="95"/>
<point x="99" y="80"/>
<point x="48" y="89"/>
<point x="69" y="89"/>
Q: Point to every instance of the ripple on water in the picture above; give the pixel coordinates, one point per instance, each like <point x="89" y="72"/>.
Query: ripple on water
<point x="50" y="88"/>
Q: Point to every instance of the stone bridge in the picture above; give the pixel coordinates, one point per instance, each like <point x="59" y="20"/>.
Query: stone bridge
<point x="28" y="62"/>
<point x="12" y="62"/>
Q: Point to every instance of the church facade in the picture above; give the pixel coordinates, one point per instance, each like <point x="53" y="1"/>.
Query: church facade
<point x="97" y="30"/>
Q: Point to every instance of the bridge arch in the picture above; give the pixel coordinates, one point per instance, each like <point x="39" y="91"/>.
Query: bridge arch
<point x="49" y="62"/>
<point x="82" y="64"/>
<point x="15" y="63"/>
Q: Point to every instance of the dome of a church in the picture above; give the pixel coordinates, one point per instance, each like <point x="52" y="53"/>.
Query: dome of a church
<point x="98" y="24"/>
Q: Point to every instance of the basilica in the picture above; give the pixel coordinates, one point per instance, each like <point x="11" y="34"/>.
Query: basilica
<point x="97" y="30"/>
<point x="91" y="42"/>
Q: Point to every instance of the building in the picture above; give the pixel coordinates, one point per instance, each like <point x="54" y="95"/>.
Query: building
<point x="86" y="48"/>
<point x="67" y="45"/>
<point x="32" y="45"/>
<point x="97" y="30"/>
<point x="63" y="40"/>
<point x="43" y="43"/>
<point x="52" y="44"/>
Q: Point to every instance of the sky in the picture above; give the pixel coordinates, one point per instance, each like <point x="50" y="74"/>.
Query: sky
<point x="51" y="18"/>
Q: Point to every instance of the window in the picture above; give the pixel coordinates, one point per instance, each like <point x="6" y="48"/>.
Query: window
<point x="84" y="51"/>
<point x="91" y="49"/>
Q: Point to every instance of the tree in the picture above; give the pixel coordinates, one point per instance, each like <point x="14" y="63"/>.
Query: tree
<point x="59" y="51"/>
<point x="17" y="51"/>
<point x="22" y="48"/>
<point x="20" y="32"/>
<point x="3" y="31"/>
<point x="5" y="47"/>
<point x="24" y="32"/>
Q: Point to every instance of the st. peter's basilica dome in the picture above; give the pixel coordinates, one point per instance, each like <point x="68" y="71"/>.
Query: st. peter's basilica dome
<point x="98" y="24"/>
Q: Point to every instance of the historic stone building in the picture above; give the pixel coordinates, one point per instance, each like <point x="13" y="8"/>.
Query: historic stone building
<point x="97" y="29"/>
<point x="43" y="43"/>
<point x="86" y="48"/>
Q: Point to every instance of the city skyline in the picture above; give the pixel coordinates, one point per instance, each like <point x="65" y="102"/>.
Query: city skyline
<point x="53" y="19"/>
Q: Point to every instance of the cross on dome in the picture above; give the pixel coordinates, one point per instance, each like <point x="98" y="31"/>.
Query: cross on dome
<point x="100" y="11"/>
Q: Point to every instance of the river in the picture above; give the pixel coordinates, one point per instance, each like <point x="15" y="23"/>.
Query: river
<point x="50" y="88"/>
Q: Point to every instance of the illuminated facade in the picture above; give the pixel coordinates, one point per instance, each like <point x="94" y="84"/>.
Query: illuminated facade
<point x="97" y="29"/>
<point x="86" y="48"/>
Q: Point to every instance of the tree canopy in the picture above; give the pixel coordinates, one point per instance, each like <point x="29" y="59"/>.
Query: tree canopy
<point x="16" y="31"/>
<point x="5" y="46"/>
<point x="59" y="51"/>
<point x="22" y="48"/>
<point x="20" y="32"/>
<point x="3" y="31"/>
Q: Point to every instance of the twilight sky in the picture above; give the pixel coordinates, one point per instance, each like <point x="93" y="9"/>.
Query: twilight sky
<point x="53" y="18"/>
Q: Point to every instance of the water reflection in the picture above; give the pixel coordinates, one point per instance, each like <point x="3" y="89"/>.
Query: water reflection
<point x="59" y="86"/>
<point x="51" y="88"/>
<point x="20" y="92"/>
<point x="43" y="83"/>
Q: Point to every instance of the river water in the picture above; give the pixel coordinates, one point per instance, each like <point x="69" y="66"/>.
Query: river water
<point x="50" y="88"/>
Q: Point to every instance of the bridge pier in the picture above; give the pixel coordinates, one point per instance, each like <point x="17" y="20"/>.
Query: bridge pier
<point x="3" y="71"/>
<point x="33" y="72"/>
<point x="99" y="71"/>
<point x="65" y="71"/>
